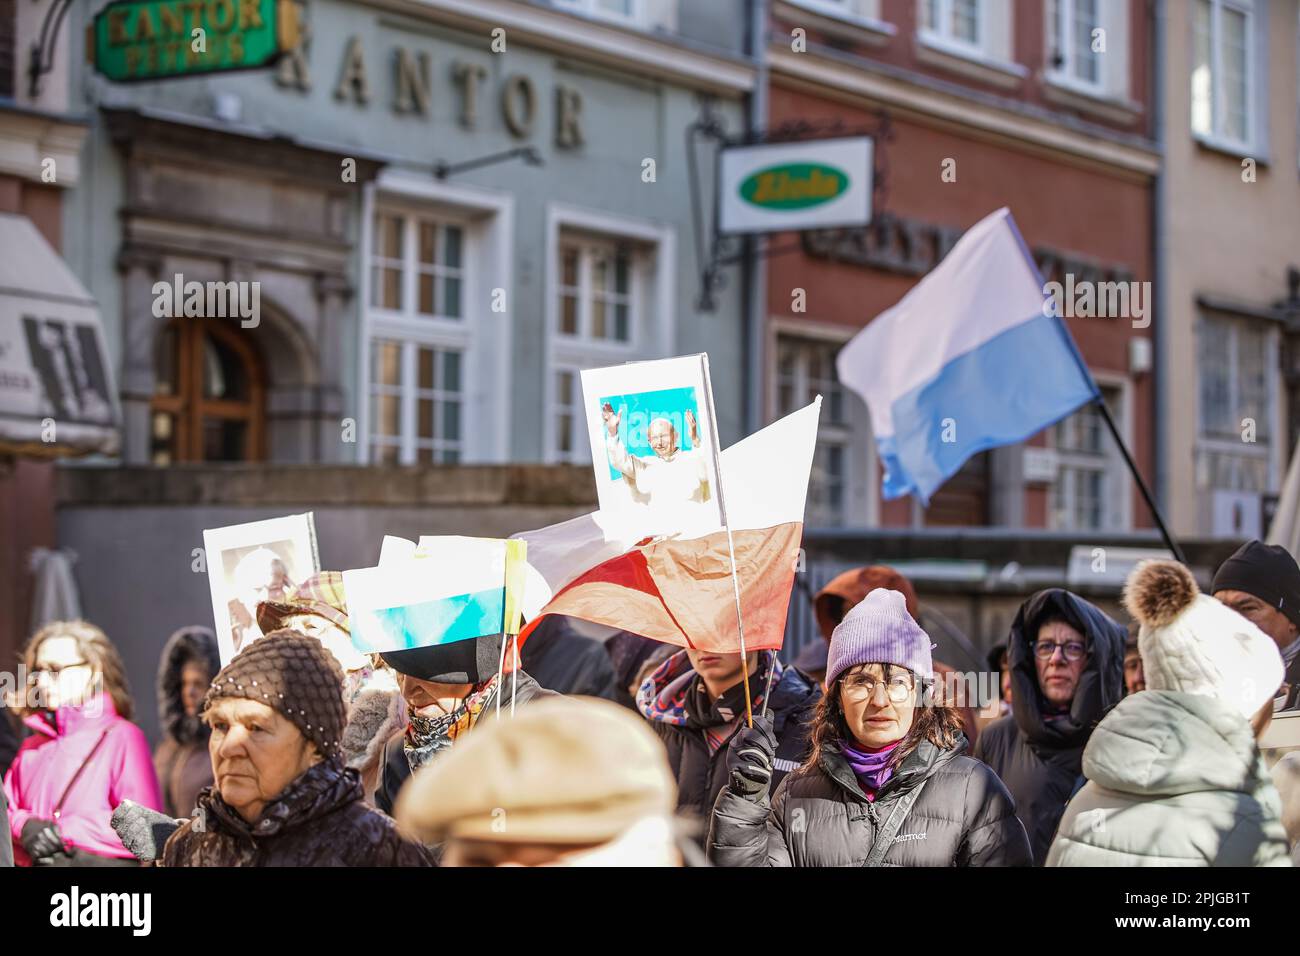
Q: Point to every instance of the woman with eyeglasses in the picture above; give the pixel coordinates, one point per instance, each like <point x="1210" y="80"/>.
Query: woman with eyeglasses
<point x="887" y="783"/>
<point x="84" y="756"/>
<point x="1067" y="671"/>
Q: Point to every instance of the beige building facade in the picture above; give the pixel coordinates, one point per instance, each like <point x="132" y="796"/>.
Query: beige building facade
<point x="1228" y="240"/>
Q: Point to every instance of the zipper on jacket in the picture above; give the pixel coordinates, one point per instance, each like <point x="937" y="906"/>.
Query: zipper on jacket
<point x="871" y="812"/>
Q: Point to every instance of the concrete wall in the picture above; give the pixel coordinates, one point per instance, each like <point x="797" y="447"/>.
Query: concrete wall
<point x="135" y="531"/>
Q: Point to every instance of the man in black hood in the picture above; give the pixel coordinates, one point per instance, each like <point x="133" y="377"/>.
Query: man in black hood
<point x="1067" y="671"/>
<point x="448" y="688"/>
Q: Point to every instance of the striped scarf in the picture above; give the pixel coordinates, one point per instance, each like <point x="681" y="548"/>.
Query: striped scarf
<point x="674" y="694"/>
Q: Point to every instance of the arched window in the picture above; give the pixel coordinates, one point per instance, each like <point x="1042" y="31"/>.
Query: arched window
<point x="209" y="399"/>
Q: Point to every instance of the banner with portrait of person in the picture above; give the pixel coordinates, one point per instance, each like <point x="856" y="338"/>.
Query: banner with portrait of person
<point x="654" y="444"/>
<point x="250" y="563"/>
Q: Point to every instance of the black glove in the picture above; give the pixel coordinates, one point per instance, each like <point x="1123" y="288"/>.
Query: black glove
<point x="750" y="756"/>
<point x="41" y="838"/>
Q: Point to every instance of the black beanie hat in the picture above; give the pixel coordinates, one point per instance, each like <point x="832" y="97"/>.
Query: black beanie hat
<point x="293" y="674"/>
<point x="1266" y="571"/>
<point x="462" y="662"/>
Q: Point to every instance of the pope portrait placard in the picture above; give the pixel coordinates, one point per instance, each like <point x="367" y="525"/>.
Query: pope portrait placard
<point x="654" y="443"/>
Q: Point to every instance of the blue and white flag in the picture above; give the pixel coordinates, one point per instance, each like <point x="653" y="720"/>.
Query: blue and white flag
<point x="971" y="358"/>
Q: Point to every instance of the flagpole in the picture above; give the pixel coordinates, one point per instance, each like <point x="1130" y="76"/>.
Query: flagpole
<point x="731" y="546"/>
<point x="1170" y="543"/>
<point x="1100" y="402"/>
<point x="740" y="627"/>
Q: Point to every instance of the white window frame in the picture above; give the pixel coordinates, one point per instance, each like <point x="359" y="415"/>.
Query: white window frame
<point x="861" y="483"/>
<point x="587" y="292"/>
<point x="480" y="334"/>
<point x="412" y="268"/>
<point x="580" y="445"/>
<point x="864" y="12"/>
<point x="1271" y="453"/>
<point x="990" y="60"/>
<point x="590" y="8"/>
<point x="409" y="395"/>
<point x="1117" y="496"/>
<point x="652" y="316"/>
<point x="1065" y="74"/>
<point x="943" y="39"/>
<point x="1256" y="60"/>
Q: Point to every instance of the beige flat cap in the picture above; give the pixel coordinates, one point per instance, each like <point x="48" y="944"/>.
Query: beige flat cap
<point x="563" y="770"/>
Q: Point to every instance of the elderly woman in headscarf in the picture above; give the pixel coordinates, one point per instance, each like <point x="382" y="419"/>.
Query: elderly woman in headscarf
<point x="375" y="708"/>
<point x="282" y="796"/>
<point x="189" y="662"/>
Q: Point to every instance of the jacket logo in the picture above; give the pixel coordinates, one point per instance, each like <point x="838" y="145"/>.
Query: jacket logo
<point x="903" y="837"/>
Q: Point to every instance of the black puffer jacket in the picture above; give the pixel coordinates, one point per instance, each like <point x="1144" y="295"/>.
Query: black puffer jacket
<point x="701" y="775"/>
<point x="820" y="817"/>
<point x="396" y="768"/>
<point x="319" y="820"/>
<point x="1040" y="760"/>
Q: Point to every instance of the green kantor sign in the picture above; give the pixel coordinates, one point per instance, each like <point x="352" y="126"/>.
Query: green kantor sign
<point x="134" y="40"/>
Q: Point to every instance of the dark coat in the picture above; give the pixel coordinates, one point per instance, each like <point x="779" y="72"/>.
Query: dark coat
<point x="8" y="742"/>
<point x="561" y="658"/>
<point x="319" y="820"/>
<point x="1040" y="760"/>
<point x="6" y="846"/>
<point x="181" y="760"/>
<point x="396" y="768"/>
<point x="1292" y="679"/>
<point x="821" y="817"/>
<point x="701" y="775"/>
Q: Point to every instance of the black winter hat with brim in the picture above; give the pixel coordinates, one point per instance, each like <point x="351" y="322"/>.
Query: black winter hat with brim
<point x="1266" y="571"/>
<point x="464" y="662"/>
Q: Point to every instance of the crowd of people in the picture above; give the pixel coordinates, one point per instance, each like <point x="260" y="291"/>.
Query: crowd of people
<point x="1104" y="745"/>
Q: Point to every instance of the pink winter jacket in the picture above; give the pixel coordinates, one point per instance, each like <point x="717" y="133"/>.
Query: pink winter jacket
<point x="122" y="768"/>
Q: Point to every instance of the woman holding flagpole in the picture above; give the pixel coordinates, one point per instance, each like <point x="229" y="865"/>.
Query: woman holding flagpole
<point x="887" y="782"/>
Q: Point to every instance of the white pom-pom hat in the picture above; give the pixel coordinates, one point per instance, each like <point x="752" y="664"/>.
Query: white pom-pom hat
<point x="1195" y="644"/>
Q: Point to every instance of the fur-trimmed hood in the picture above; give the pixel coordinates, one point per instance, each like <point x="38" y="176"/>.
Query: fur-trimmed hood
<point x="194" y="643"/>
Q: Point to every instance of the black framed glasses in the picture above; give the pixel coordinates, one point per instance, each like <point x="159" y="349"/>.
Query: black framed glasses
<point x="1071" y="650"/>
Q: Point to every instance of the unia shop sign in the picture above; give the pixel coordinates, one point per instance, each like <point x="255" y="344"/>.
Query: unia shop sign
<point x="808" y="185"/>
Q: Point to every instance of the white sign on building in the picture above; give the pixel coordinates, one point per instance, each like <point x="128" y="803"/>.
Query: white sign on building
<point x="814" y="184"/>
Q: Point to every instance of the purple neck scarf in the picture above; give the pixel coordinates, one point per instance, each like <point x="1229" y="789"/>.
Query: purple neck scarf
<point x="871" y="769"/>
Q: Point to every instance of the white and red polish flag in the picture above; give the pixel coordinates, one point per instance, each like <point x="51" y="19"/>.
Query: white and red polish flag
<point x="678" y="588"/>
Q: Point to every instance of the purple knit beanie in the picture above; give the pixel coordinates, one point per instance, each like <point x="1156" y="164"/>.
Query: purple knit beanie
<point x="878" y="630"/>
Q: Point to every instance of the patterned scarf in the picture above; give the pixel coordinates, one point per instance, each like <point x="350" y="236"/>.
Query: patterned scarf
<point x="675" y="694"/>
<point x="426" y="737"/>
